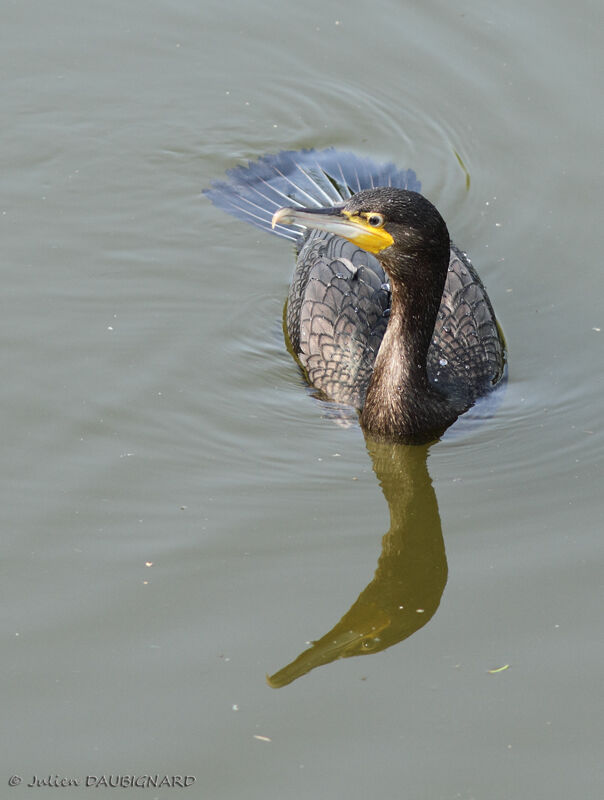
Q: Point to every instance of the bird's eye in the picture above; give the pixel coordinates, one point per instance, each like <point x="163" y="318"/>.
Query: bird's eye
<point x="375" y="220"/>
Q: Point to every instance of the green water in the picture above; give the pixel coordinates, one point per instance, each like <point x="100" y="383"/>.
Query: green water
<point x="182" y="518"/>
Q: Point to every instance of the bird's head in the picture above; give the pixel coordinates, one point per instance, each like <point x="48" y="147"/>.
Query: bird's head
<point x="396" y="225"/>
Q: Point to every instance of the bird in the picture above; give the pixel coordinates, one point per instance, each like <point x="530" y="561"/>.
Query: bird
<point x="384" y="313"/>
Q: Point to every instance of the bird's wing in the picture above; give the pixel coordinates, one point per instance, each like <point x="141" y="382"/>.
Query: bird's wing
<point x="303" y="178"/>
<point x="467" y="349"/>
<point x="337" y="314"/>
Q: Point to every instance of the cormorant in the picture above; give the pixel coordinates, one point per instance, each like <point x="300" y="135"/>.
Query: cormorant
<point x="384" y="313"/>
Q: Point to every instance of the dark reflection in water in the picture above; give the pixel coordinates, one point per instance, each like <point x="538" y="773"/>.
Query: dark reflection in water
<point x="411" y="573"/>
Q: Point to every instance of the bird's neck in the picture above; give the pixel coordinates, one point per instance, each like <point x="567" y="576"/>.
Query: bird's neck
<point x="400" y="400"/>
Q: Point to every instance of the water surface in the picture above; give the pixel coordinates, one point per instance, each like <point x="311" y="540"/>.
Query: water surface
<point x="181" y="517"/>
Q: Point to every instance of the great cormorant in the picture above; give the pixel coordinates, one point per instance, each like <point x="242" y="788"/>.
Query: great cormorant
<point x="384" y="313"/>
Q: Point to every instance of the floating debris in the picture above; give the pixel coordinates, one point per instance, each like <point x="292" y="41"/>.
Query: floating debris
<point x="499" y="669"/>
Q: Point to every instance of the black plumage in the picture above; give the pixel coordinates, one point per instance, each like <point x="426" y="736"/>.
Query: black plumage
<point x="340" y="302"/>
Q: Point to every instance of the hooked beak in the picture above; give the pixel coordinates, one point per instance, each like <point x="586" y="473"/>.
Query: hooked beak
<point x="336" y="220"/>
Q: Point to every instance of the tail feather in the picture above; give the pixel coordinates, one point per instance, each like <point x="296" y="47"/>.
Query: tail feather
<point x="300" y="178"/>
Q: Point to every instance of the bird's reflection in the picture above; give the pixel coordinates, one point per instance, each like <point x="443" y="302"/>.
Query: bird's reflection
<point x="411" y="573"/>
